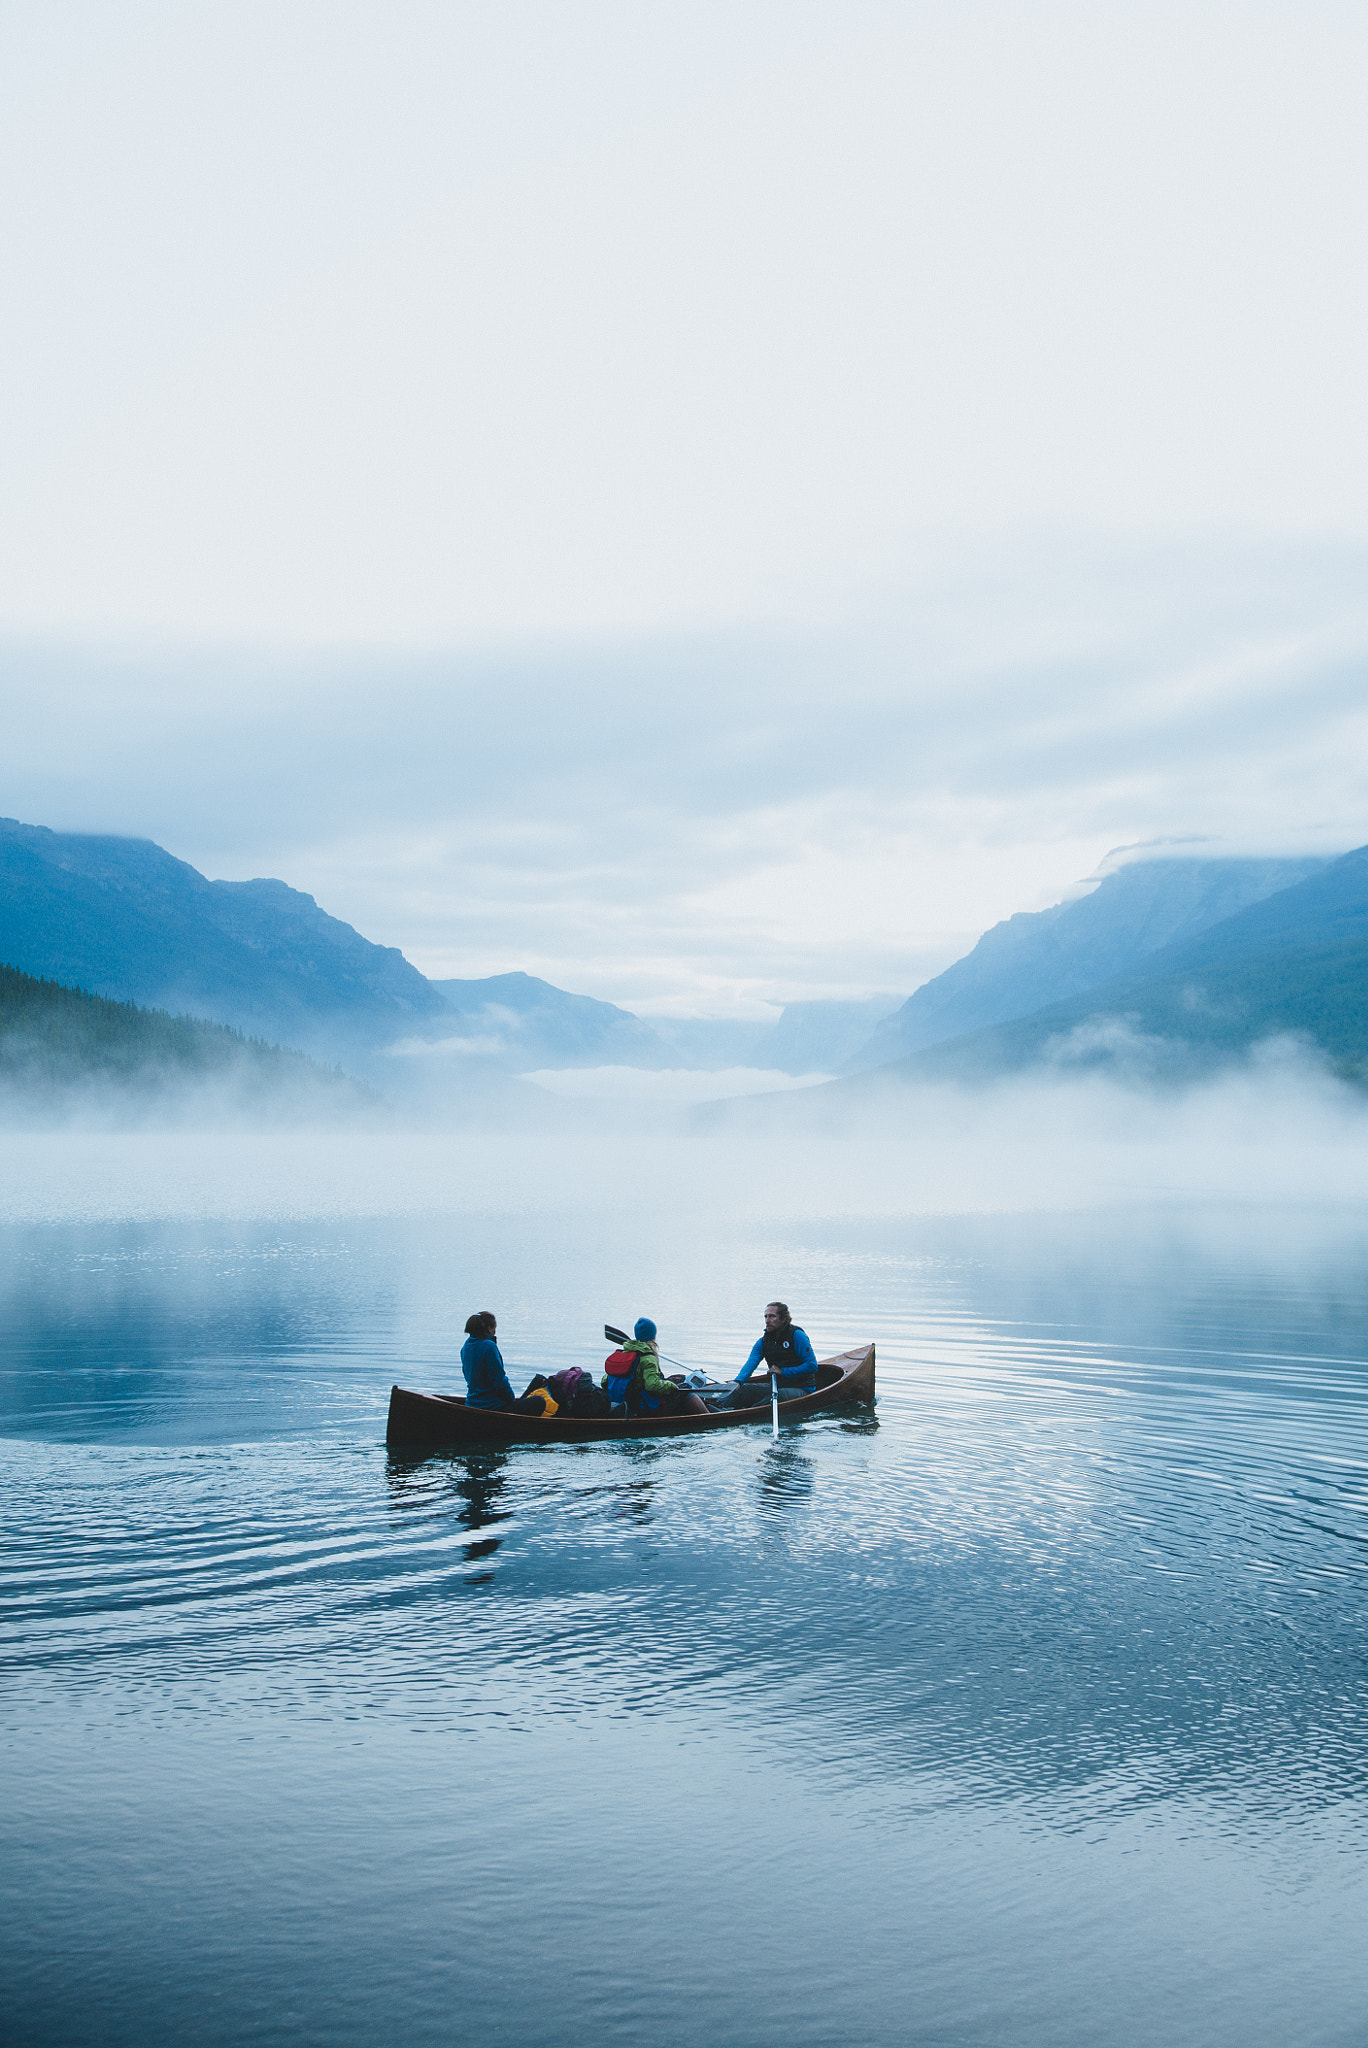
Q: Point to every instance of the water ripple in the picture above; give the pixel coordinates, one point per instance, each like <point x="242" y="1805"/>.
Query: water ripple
<point x="1068" y="1578"/>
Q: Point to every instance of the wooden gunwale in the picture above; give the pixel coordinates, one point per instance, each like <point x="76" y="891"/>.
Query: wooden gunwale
<point x="425" y="1421"/>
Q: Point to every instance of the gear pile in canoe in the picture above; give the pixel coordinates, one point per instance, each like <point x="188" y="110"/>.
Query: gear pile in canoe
<point x="419" y="1421"/>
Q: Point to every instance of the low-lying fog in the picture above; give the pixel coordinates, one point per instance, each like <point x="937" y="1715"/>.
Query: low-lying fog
<point x="1278" y="1133"/>
<point x="660" y="1087"/>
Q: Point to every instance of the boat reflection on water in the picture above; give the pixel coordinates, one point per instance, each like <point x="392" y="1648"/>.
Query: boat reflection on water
<point x="787" y="1477"/>
<point x="479" y="1480"/>
<point x="481" y="1485"/>
<point x="632" y="1502"/>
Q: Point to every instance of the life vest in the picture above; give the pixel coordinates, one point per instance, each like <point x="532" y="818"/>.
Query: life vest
<point x="781" y="1353"/>
<point x="547" y="1399"/>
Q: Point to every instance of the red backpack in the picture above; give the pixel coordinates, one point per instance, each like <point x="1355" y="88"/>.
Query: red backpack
<point x="620" y="1365"/>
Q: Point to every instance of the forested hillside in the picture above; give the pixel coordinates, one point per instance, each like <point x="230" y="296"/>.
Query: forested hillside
<point x="62" y="1048"/>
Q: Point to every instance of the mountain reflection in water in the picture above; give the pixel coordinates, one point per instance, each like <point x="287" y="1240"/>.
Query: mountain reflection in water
<point x="1028" y="1706"/>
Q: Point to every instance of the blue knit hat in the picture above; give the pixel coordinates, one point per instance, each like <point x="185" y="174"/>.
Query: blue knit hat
<point x="644" y="1329"/>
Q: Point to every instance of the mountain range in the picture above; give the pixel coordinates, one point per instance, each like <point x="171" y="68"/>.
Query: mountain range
<point x="1046" y="956"/>
<point x="1291" y="965"/>
<point x="1168" y="963"/>
<point x="126" y="920"/>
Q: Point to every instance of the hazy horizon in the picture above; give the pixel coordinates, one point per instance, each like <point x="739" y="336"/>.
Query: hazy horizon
<point x="712" y="825"/>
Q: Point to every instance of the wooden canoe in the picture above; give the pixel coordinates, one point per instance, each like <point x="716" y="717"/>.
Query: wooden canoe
<point x="421" y="1421"/>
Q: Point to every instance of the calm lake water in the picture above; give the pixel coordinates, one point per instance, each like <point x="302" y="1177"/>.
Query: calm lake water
<point x="1027" y="1706"/>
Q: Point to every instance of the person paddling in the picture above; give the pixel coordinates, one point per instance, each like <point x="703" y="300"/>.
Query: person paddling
<point x="487" y="1384"/>
<point x="785" y="1350"/>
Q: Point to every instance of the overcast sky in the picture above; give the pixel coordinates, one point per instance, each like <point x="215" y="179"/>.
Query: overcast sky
<point x="709" y="503"/>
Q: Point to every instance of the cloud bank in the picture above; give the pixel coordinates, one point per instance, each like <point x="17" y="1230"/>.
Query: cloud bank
<point x="719" y="822"/>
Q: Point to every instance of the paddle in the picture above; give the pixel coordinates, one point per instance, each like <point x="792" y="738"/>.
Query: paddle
<point x="616" y="1336"/>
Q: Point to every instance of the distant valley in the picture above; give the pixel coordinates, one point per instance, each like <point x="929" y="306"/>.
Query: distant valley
<point x="1166" y="967"/>
<point x="525" y="1022"/>
<point x="127" y="921"/>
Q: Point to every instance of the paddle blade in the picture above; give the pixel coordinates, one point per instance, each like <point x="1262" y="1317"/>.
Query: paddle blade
<point x="614" y="1336"/>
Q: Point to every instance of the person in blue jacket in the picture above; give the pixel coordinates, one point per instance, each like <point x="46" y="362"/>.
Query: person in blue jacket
<point x="785" y="1350"/>
<point x="482" y="1363"/>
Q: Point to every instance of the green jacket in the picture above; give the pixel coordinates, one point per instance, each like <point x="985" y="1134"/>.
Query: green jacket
<point x="652" y="1378"/>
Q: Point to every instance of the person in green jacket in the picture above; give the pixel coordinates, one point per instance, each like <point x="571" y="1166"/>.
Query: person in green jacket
<point x="646" y="1384"/>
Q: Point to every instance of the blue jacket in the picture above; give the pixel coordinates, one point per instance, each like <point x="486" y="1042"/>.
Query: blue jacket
<point x="799" y="1368"/>
<point x="486" y="1381"/>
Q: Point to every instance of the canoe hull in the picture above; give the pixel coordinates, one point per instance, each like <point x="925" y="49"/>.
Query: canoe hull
<point x="425" y="1421"/>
